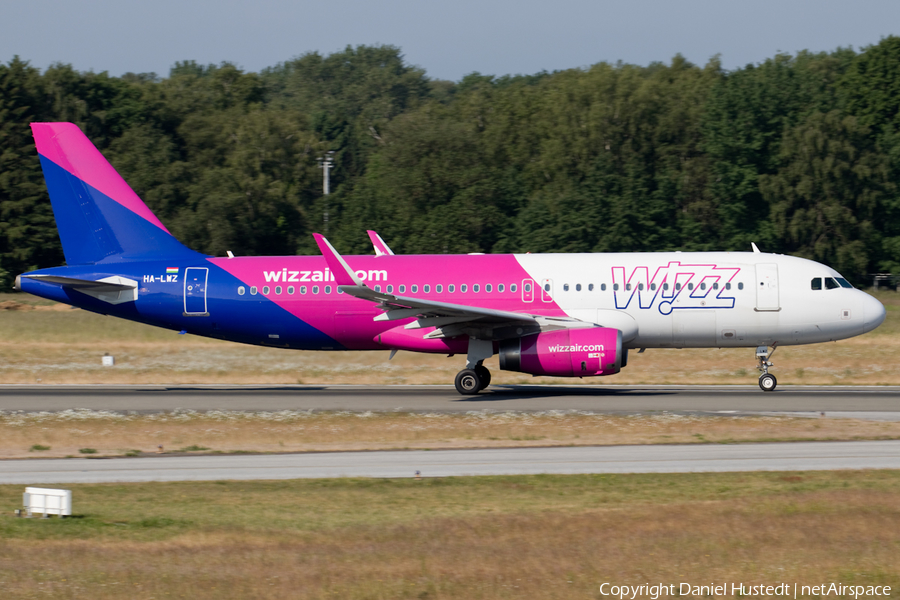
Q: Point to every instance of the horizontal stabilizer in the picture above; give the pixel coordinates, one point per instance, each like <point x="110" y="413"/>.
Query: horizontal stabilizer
<point x="113" y="290"/>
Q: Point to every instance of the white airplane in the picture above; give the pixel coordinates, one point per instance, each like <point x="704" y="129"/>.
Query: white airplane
<point x="566" y="315"/>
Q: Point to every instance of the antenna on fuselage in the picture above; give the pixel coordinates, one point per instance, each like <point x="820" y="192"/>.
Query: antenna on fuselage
<point x="755" y="249"/>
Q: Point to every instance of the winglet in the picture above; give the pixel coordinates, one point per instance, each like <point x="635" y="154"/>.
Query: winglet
<point x="381" y="249"/>
<point x="343" y="274"/>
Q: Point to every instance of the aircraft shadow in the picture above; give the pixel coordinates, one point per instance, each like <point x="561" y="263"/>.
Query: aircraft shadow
<point x="517" y="392"/>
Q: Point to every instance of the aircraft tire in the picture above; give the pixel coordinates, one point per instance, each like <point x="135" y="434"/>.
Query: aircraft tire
<point x="767" y="382"/>
<point x="484" y="375"/>
<point x="468" y="383"/>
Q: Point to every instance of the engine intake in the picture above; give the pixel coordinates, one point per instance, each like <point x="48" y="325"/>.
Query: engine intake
<point x="565" y="353"/>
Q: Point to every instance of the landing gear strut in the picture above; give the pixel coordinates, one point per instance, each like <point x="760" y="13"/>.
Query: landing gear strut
<point x="767" y="381"/>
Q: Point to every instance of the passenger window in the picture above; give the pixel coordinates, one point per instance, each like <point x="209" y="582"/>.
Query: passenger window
<point x="590" y="287"/>
<point x="291" y="290"/>
<point x="377" y="288"/>
<point x="702" y="286"/>
<point x="844" y="283"/>
<point x="253" y="290"/>
<point x="402" y="289"/>
<point x="439" y="288"/>
<point x="615" y="287"/>
<point x="451" y="288"/>
<point x="678" y="287"/>
<point x="602" y="287"/>
<point x="565" y="287"/>
<point x="830" y="283"/>
<point x="340" y="291"/>
<point x="475" y="288"/>
<point x="652" y="287"/>
<point x="500" y="288"/>
<point x="240" y="290"/>
<point x="512" y="288"/>
<point x="487" y="288"/>
<point x="265" y="290"/>
<point x="414" y="288"/>
<point x="740" y="286"/>
<point x="627" y="287"/>
<point x="640" y="287"/>
<point x="577" y="287"/>
<point x="462" y="288"/>
<point x="666" y="286"/>
<point x="816" y="283"/>
<point x="716" y="285"/>
<point x="527" y="287"/>
<point x="426" y="288"/>
<point x="328" y="289"/>
<point x="277" y="289"/>
<point x="390" y="289"/>
<point x="546" y="287"/>
<point x="315" y="289"/>
<point x="302" y="289"/>
<point x="691" y="286"/>
<point x="728" y="286"/>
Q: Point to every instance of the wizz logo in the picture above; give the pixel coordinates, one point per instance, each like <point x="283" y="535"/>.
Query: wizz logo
<point x="675" y="286"/>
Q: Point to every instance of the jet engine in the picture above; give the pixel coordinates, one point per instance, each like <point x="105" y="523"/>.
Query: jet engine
<point x="566" y="353"/>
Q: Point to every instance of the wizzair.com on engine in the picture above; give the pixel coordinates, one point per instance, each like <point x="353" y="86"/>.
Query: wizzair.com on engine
<point x="564" y="315"/>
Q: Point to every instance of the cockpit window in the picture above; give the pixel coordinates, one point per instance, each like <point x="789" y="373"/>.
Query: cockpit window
<point x="816" y="283"/>
<point x="830" y="283"/>
<point x="844" y="283"/>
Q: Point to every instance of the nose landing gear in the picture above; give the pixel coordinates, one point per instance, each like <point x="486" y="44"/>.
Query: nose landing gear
<point x="767" y="381"/>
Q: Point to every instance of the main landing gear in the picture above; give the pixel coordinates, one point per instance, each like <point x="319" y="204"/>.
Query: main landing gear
<point x="767" y="381"/>
<point x="471" y="381"/>
<point x="475" y="377"/>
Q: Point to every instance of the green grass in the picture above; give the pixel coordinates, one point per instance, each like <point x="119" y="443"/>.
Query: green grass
<point x="144" y="511"/>
<point x="193" y="448"/>
<point x="542" y="537"/>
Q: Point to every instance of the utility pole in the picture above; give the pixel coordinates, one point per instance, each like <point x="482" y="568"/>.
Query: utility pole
<point x="326" y="163"/>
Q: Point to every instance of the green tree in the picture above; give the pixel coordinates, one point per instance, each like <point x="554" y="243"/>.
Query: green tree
<point x="826" y="192"/>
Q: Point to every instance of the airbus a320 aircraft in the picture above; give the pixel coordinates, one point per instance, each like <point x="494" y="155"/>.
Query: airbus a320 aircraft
<point x="564" y="315"/>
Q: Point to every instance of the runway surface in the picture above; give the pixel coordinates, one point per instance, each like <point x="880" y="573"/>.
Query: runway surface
<point x="444" y="463"/>
<point x="862" y="402"/>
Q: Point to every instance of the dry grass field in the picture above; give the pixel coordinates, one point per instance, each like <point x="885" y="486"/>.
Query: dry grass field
<point x="45" y="343"/>
<point x="98" y="433"/>
<point x="535" y="537"/>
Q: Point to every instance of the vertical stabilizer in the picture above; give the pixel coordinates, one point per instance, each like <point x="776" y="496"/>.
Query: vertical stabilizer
<point x="97" y="214"/>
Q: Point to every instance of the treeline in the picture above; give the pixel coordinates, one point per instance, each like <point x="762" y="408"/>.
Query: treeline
<point x="800" y="154"/>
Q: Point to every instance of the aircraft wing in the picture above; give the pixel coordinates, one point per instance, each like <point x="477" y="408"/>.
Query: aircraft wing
<point x="381" y="249"/>
<point x="449" y="320"/>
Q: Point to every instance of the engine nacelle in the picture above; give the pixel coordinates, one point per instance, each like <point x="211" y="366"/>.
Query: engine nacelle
<point x="565" y="353"/>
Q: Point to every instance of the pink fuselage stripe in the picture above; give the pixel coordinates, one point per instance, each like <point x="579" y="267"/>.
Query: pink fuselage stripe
<point x="69" y="148"/>
<point x="349" y="320"/>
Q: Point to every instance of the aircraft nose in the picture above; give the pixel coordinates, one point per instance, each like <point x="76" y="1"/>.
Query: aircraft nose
<point x="873" y="313"/>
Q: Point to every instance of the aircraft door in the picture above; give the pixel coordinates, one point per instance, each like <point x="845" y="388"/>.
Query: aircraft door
<point x="527" y="290"/>
<point x="195" y="291"/>
<point x="767" y="287"/>
<point x="547" y="290"/>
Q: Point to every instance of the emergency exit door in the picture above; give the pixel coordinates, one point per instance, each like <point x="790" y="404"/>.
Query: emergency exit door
<point x="195" y="291"/>
<point x="767" y="287"/>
